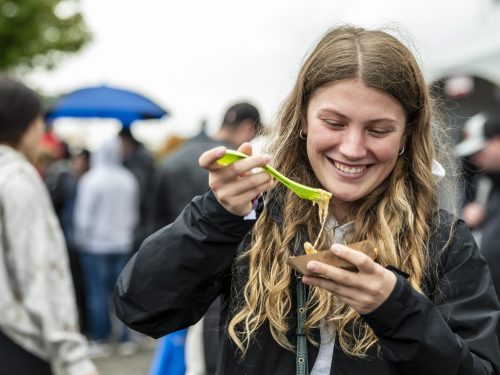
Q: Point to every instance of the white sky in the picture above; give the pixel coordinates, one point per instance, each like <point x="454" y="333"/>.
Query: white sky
<point x="197" y="57"/>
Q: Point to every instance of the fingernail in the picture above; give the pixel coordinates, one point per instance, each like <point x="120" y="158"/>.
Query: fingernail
<point x="267" y="158"/>
<point x="312" y="266"/>
<point x="336" y="249"/>
<point x="220" y="151"/>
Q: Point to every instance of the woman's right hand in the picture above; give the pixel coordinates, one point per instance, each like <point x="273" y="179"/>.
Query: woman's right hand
<point x="235" y="186"/>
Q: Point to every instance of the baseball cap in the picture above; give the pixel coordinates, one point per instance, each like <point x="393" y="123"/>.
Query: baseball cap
<point x="477" y="130"/>
<point x="240" y="112"/>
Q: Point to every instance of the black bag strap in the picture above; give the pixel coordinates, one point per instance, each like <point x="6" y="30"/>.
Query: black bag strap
<point x="302" y="358"/>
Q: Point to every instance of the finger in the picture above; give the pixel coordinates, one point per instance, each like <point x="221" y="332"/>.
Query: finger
<point x="232" y="202"/>
<point x="246" y="183"/>
<point x="227" y="182"/>
<point x="359" y="301"/>
<point x="339" y="290"/>
<point x="246" y="148"/>
<point x="362" y="261"/>
<point x="255" y="192"/>
<point x="208" y="159"/>
<point x="244" y="167"/>
<point x="333" y="273"/>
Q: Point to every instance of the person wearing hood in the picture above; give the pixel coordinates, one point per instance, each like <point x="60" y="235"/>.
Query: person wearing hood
<point x="481" y="146"/>
<point x="106" y="215"/>
<point x="39" y="330"/>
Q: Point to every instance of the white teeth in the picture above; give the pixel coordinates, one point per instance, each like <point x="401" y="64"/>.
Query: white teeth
<point x="351" y="170"/>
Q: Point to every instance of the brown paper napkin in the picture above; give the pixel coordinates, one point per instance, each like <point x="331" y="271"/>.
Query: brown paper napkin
<point x="299" y="263"/>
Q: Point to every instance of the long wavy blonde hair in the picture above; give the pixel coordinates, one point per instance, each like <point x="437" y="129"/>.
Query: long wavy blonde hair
<point x="396" y="216"/>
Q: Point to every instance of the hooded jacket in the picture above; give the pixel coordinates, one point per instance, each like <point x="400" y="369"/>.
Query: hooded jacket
<point x="107" y="203"/>
<point x="448" y="330"/>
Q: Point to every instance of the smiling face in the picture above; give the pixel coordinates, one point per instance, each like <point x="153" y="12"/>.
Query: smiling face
<point x="354" y="134"/>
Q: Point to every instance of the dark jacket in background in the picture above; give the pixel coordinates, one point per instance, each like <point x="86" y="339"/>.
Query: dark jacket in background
<point x="181" y="269"/>
<point x="141" y="163"/>
<point x="490" y="232"/>
<point x="180" y="178"/>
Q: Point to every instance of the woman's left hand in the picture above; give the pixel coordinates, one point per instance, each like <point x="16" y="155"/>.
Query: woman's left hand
<point x="364" y="290"/>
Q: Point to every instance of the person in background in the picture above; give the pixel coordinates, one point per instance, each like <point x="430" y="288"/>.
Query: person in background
<point x="61" y="180"/>
<point x="481" y="146"/>
<point x="179" y="178"/>
<point x="140" y="161"/>
<point x="105" y="217"/>
<point x="358" y="123"/>
<point x="39" y="330"/>
<point x="50" y="150"/>
<point x="79" y="165"/>
<point x="172" y="143"/>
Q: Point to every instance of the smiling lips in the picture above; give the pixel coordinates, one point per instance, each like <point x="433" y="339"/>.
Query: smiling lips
<point x="349" y="169"/>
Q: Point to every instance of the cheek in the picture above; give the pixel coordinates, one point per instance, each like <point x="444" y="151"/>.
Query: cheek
<point x="321" y="140"/>
<point x="387" y="154"/>
<point x="387" y="168"/>
<point x="384" y="150"/>
<point x="386" y="161"/>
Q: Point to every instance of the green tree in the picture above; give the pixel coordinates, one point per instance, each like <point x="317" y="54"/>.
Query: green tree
<point x="37" y="33"/>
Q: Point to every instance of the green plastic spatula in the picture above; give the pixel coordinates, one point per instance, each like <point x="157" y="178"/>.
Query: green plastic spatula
<point x="303" y="191"/>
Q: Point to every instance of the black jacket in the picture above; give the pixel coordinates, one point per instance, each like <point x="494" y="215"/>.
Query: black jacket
<point x="179" y="178"/>
<point x="182" y="268"/>
<point x="490" y="236"/>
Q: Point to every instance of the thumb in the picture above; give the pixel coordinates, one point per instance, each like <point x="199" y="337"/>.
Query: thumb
<point x="246" y="148"/>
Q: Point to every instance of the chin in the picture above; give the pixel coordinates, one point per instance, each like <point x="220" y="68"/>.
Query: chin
<point x="347" y="196"/>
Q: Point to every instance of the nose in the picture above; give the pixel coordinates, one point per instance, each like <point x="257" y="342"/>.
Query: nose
<point x="353" y="145"/>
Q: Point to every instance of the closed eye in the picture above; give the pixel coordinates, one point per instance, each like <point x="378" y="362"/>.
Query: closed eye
<point x="333" y="124"/>
<point x="379" y="132"/>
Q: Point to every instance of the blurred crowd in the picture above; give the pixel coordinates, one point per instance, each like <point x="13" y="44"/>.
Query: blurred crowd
<point x="106" y="203"/>
<point x="109" y="200"/>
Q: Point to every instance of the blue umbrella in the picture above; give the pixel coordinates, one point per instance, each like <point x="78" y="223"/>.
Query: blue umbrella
<point x="106" y="102"/>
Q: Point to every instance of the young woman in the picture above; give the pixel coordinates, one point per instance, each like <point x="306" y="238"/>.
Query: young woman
<point x="38" y="318"/>
<point x="358" y="124"/>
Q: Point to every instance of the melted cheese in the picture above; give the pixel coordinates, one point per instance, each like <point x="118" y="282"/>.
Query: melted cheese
<point x="322" y="203"/>
<point x="309" y="249"/>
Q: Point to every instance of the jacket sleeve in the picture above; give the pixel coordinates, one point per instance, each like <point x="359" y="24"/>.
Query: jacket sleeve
<point x="179" y="270"/>
<point x="44" y="301"/>
<point x="455" y="333"/>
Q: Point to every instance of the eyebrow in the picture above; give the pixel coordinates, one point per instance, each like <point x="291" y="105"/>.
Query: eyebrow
<point x="332" y="111"/>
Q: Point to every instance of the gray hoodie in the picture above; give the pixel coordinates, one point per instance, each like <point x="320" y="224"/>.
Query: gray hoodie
<point x="107" y="203"/>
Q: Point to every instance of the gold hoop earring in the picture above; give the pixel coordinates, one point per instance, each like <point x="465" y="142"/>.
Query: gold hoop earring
<point x="401" y="151"/>
<point x="302" y="135"/>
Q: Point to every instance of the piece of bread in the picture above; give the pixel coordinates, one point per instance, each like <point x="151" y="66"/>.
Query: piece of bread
<point x="299" y="263"/>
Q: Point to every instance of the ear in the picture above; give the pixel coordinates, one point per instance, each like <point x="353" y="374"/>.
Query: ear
<point x="404" y="138"/>
<point x="303" y="125"/>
